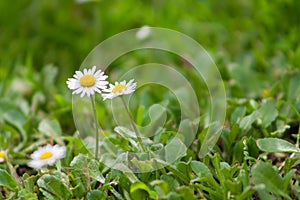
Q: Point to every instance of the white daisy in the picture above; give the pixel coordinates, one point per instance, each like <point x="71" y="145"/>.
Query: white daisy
<point x="87" y="82"/>
<point x="2" y="156"/>
<point x="46" y="155"/>
<point x="119" y="89"/>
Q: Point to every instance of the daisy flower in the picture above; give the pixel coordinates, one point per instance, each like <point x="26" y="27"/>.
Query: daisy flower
<point x="46" y="155"/>
<point x="119" y="89"/>
<point x="87" y="82"/>
<point x="2" y="156"/>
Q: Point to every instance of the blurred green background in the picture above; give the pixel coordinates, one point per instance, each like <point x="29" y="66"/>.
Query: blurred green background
<point x="260" y="35"/>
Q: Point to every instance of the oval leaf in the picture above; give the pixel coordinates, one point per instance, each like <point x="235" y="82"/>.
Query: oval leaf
<point x="53" y="188"/>
<point x="89" y="166"/>
<point x="7" y="180"/>
<point x="276" y="145"/>
<point x="265" y="174"/>
<point x="96" y="195"/>
<point x="200" y="169"/>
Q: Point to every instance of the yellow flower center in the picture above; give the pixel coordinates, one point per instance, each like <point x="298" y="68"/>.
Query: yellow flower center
<point x="87" y="80"/>
<point x="119" y="88"/>
<point x="46" y="155"/>
<point x="2" y="154"/>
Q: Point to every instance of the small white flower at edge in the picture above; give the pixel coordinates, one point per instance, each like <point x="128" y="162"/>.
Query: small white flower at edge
<point x="2" y="156"/>
<point x="46" y="155"/>
<point x="87" y="82"/>
<point x="119" y="89"/>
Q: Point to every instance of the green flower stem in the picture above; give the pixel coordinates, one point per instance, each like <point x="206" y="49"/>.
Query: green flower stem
<point x="58" y="166"/>
<point x="298" y="137"/>
<point x="137" y="133"/>
<point x="96" y="123"/>
<point x="11" y="169"/>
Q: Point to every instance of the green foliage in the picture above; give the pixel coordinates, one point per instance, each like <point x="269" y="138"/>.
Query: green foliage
<point x="84" y="164"/>
<point x="7" y="180"/>
<point x="139" y="190"/>
<point x="276" y="145"/>
<point x="53" y="188"/>
<point x="96" y="195"/>
<point x="265" y="174"/>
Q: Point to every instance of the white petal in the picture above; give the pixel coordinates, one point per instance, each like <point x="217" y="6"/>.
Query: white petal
<point x="72" y="83"/>
<point x="94" y="69"/>
<point x="50" y="161"/>
<point x="101" y="83"/>
<point x="75" y="76"/>
<point x="89" y="71"/>
<point x="37" y="164"/>
<point x="97" y="90"/>
<point x="79" y="74"/>
<point x="77" y="91"/>
<point x="88" y="93"/>
<point x="98" y="73"/>
<point x="103" y="77"/>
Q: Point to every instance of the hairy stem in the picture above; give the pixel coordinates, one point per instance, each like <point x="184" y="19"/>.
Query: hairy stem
<point x="96" y="125"/>
<point x="137" y="133"/>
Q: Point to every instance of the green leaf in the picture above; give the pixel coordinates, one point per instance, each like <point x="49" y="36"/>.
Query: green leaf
<point x="276" y="145"/>
<point x="237" y="115"/>
<point x="268" y="112"/>
<point x="96" y="195"/>
<point x="158" y="116"/>
<point x="200" y="168"/>
<point x="247" y="121"/>
<point x="8" y="181"/>
<point x="52" y="129"/>
<point x="265" y="195"/>
<point x="172" y="182"/>
<point x="161" y="187"/>
<point x="187" y="192"/>
<point x="173" y="196"/>
<point x="17" y="119"/>
<point x="53" y="188"/>
<point x="143" y="166"/>
<point x="178" y="174"/>
<point x="246" y="193"/>
<point x="265" y="174"/>
<point x="292" y="85"/>
<point x="281" y="127"/>
<point x="252" y="147"/>
<point x="287" y="178"/>
<point x="184" y="167"/>
<point x="238" y="151"/>
<point x="80" y="183"/>
<point x="24" y="194"/>
<point x="140" y="190"/>
<point x="88" y="166"/>
<point x="174" y="150"/>
<point x="29" y="182"/>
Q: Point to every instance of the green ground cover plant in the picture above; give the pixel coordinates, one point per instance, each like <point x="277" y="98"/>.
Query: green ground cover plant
<point x="255" y="45"/>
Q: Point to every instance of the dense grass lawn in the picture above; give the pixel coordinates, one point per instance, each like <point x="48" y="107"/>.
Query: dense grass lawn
<point x="255" y="46"/>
